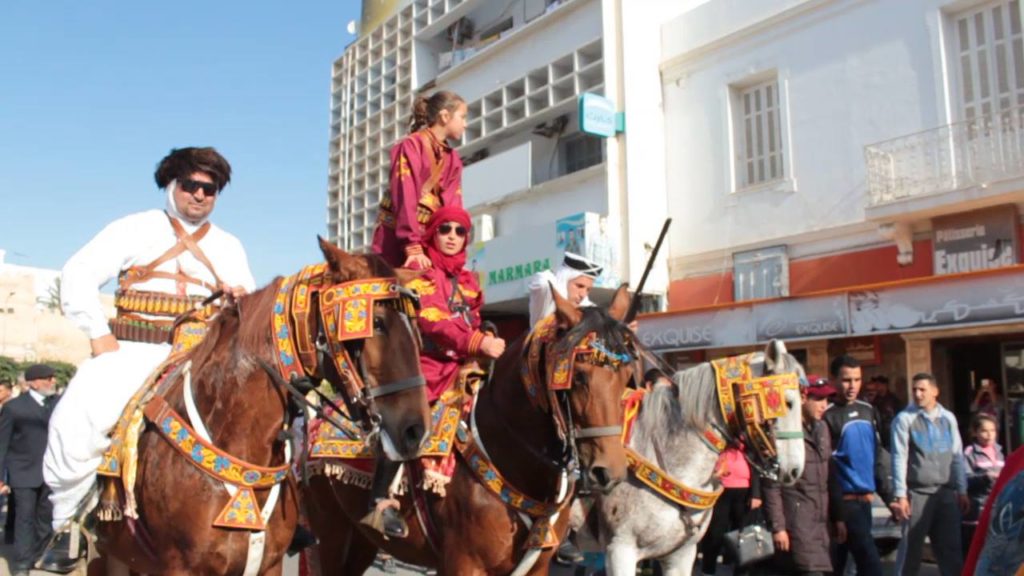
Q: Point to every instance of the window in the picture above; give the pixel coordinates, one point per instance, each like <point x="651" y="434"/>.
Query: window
<point x="758" y="138"/>
<point x="581" y="152"/>
<point x="989" y="59"/>
<point x="761" y="273"/>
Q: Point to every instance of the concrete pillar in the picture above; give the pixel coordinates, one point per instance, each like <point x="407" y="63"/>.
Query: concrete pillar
<point x="919" y="356"/>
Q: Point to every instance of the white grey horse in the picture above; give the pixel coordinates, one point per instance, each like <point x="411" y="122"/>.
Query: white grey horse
<point x="634" y="523"/>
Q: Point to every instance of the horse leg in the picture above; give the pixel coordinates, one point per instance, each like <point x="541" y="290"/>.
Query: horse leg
<point x="680" y="562"/>
<point x="274" y="570"/>
<point x="621" y="559"/>
<point x="361" y="553"/>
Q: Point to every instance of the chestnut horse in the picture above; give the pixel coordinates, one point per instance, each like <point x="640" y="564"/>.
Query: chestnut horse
<point x="516" y="426"/>
<point x="239" y="394"/>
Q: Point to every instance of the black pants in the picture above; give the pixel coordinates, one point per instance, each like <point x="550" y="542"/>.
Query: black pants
<point x="32" y="528"/>
<point x="859" y="542"/>
<point x="729" y="512"/>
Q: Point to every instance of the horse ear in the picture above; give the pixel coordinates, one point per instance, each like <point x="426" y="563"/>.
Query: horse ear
<point x="567" y="314"/>
<point x="336" y="258"/>
<point x="620" y="303"/>
<point x="774" y="355"/>
<point x="330" y="252"/>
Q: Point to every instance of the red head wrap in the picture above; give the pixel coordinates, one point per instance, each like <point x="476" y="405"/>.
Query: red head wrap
<point x="451" y="265"/>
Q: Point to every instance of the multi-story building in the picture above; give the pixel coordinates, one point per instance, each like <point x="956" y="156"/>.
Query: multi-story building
<point x="535" y="182"/>
<point x="849" y="175"/>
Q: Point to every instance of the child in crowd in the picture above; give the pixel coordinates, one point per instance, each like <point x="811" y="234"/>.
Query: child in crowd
<point x="984" y="460"/>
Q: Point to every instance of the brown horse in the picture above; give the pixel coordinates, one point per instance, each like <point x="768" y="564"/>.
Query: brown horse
<point x="241" y="398"/>
<point x="522" y="431"/>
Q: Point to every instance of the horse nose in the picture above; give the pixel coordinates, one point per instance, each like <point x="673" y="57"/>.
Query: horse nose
<point x="602" y="478"/>
<point x="413" y="436"/>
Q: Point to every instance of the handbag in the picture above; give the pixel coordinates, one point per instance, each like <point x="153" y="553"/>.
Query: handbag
<point x="750" y="544"/>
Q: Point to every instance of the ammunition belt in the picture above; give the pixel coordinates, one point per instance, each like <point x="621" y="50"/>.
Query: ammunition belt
<point x="134" y="329"/>
<point x="157" y="304"/>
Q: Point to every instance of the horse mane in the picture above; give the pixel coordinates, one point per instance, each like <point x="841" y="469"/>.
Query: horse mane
<point x="249" y="317"/>
<point x="694" y="400"/>
<point x="610" y="331"/>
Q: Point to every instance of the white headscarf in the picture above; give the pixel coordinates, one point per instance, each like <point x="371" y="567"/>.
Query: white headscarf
<point x="572" y="267"/>
<point x="172" y="209"/>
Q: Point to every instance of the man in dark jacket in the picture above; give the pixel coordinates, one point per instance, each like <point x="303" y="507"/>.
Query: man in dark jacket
<point x="860" y="464"/>
<point x="23" y="432"/>
<point x="799" y="515"/>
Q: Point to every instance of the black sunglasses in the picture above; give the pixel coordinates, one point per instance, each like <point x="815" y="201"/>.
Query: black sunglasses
<point x="447" y="228"/>
<point x="817" y="382"/>
<point x="189" y="185"/>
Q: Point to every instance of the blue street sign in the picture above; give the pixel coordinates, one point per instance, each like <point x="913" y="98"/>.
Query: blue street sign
<point x="598" y="116"/>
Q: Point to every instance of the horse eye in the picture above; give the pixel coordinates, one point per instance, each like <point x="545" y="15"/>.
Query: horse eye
<point x="378" y="323"/>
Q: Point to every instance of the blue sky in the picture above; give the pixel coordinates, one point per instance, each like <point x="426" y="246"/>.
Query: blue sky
<point x="93" y="94"/>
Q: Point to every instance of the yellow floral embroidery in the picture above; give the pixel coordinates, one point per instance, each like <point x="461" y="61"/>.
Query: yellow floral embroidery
<point x="433" y="314"/>
<point x="403" y="167"/>
<point x="423" y="286"/>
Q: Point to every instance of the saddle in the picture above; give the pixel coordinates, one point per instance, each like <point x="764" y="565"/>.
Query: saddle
<point x="349" y="457"/>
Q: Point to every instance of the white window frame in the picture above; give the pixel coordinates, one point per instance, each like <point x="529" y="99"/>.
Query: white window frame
<point x="986" y="58"/>
<point x="785" y="181"/>
<point x="757" y="262"/>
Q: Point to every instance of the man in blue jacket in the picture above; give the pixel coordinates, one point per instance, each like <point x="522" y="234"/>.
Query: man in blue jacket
<point x="929" y="480"/>
<point x="856" y="446"/>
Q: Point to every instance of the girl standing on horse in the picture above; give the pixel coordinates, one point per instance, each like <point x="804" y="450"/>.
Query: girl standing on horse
<point x="449" y="319"/>
<point x="426" y="174"/>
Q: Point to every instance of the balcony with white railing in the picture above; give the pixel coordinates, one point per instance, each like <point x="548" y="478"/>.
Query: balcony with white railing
<point x="979" y="162"/>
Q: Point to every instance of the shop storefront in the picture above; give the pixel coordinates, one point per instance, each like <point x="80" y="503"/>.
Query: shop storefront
<point x="967" y="328"/>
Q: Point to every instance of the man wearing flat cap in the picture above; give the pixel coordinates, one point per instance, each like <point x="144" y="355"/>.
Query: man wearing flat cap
<point x="23" y="431"/>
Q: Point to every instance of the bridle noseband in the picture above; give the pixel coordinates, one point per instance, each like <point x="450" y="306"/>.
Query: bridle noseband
<point x="549" y="375"/>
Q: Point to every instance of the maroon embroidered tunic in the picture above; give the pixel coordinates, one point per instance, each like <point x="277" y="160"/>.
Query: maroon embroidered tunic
<point x="450" y="325"/>
<point x="425" y="175"/>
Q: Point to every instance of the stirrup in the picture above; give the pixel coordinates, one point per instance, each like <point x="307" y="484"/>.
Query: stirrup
<point x="65" y="548"/>
<point x="386" y="521"/>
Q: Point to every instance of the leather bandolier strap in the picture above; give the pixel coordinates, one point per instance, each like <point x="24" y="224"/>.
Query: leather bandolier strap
<point x="149" y="317"/>
<point x="430" y="198"/>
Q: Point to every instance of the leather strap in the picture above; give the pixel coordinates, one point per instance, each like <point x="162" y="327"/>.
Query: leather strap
<point x="396" y="386"/>
<point x="436" y="166"/>
<point x="192" y="243"/>
<point x="186" y="242"/>
<point x="599" y="432"/>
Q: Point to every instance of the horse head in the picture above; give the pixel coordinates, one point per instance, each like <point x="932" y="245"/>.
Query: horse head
<point x="593" y="362"/>
<point x="780" y="448"/>
<point x="383" y="374"/>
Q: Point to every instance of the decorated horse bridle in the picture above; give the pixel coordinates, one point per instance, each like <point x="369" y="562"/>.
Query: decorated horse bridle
<point x="345" y="321"/>
<point x="749" y="403"/>
<point x="552" y="361"/>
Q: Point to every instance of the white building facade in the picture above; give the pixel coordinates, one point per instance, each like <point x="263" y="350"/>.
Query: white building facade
<point x="536" y="185"/>
<point x="848" y="175"/>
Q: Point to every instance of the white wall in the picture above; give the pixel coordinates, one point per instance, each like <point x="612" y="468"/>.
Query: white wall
<point x="642" y="204"/>
<point x="854" y="73"/>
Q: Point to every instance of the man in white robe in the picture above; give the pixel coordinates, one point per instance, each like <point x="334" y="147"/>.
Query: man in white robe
<point x="173" y="255"/>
